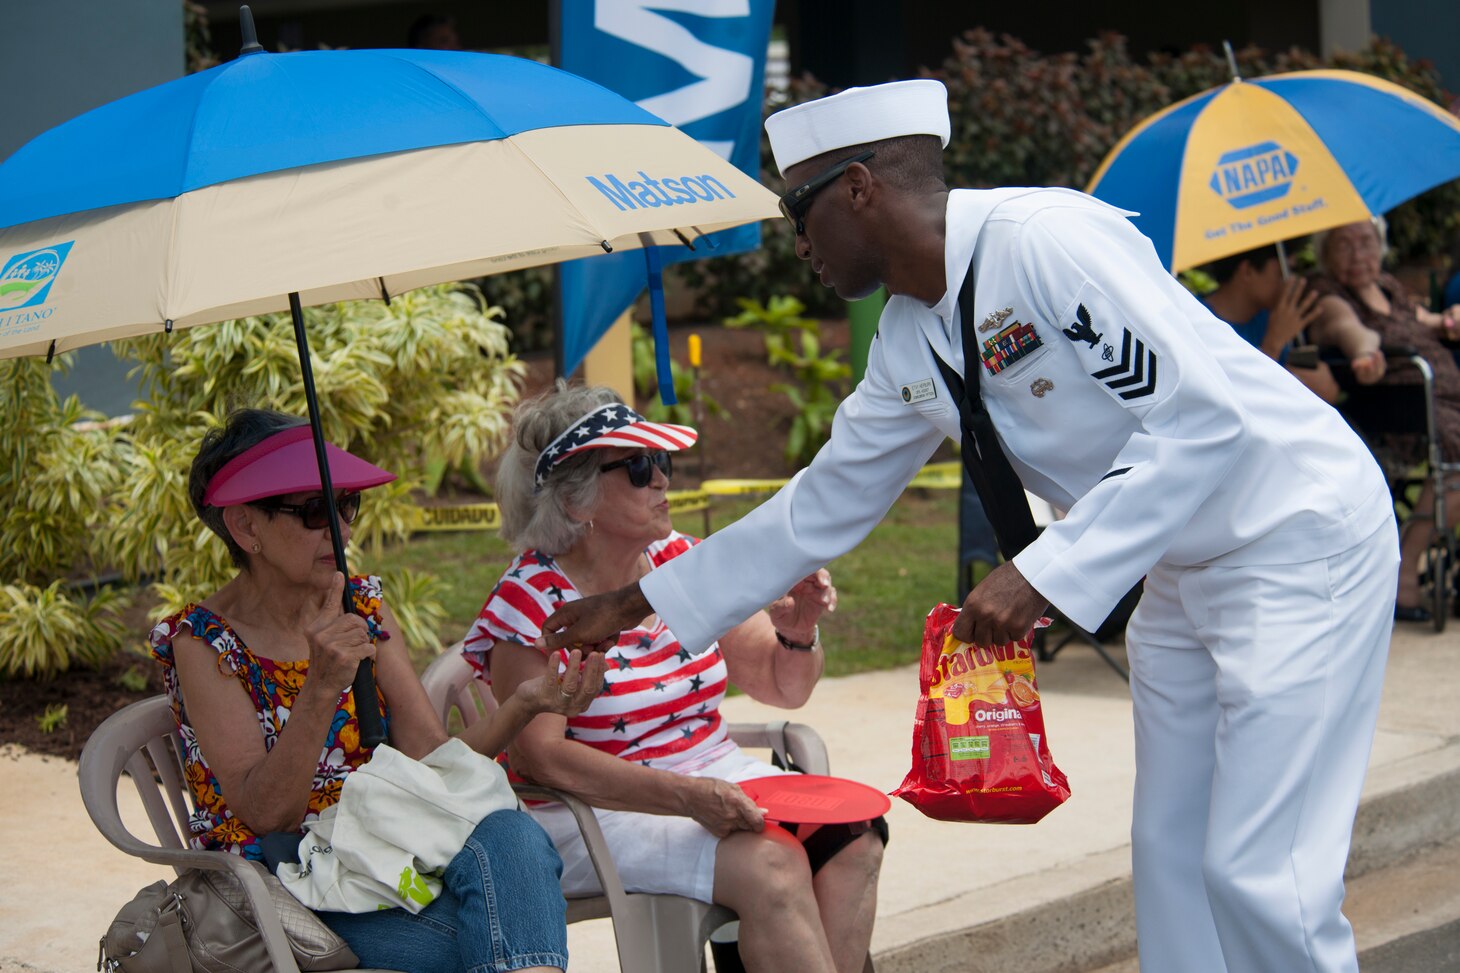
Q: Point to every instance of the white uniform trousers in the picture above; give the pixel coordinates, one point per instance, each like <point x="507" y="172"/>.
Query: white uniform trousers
<point x="1256" y="691"/>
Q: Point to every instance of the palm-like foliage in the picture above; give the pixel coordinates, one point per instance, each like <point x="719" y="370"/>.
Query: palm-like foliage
<point x="426" y="378"/>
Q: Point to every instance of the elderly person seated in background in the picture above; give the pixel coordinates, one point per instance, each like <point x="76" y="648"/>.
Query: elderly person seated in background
<point x="1361" y="307"/>
<point x="260" y="674"/>
<point x="582" y="491"/>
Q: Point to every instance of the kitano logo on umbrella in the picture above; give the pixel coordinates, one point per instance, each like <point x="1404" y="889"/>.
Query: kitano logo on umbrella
<point x="1255" y="174"/>
<point x="648" y="192"/>
<point x="27" y="277"/>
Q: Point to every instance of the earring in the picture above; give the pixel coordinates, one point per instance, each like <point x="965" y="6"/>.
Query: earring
<point x="256" y="548"/>
<point x="590" y="526"/>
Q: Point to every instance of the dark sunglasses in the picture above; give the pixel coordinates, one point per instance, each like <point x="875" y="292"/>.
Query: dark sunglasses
<point x="641" y="466"/>
<point x="795" y="203"/>
<point x="313" y="511"/>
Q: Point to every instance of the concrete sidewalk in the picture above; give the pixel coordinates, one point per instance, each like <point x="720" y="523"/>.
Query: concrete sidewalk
<point x="1042" y="898"/>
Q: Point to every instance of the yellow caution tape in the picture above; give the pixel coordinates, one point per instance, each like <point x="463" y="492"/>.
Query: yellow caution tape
<point x="468" y="516"/>
<point x="487" y="516"/>
<point x="688" y="501"/>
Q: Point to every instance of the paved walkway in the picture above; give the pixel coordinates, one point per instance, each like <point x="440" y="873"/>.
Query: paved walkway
<point x="948" y="891"/>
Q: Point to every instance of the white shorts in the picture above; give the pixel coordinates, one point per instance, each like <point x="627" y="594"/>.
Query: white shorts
<point x="658" y="853"/>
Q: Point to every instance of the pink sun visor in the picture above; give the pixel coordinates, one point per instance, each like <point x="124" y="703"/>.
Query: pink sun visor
<point x="285" y="463"/>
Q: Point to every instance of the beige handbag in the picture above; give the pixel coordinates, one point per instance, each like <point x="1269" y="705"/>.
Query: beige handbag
<point x="202" y="922"/>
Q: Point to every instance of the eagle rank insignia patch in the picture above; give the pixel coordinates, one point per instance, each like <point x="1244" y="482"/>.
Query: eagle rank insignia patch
<point x="1116" y="357"/>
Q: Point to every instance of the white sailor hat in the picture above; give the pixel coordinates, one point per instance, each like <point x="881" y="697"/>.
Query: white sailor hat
<point x="857" y="116"/>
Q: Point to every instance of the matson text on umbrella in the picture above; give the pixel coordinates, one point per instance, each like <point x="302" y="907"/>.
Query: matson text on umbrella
<point x="649" y="192"/>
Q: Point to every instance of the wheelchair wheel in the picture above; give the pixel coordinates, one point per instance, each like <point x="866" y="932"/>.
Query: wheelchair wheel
<point x="1440" y="575"/>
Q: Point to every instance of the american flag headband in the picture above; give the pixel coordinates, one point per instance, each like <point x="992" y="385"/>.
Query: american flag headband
<point x="610" y="425"/>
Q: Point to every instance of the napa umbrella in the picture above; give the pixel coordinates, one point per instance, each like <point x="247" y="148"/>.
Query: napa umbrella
<point x="1260" y="160"/>
<point x="283" y="180"/>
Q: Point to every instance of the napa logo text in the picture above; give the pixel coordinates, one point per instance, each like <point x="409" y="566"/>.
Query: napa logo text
<point x="27" y="277"/>
<point x="1253" y="175"/>
<point x="648" y="193"/>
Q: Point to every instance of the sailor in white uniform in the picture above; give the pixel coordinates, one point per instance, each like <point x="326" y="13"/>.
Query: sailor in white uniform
<point x="1261" y="525"/>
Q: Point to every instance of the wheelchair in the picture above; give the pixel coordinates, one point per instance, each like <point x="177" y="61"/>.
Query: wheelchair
<point x="1375" y="410"/>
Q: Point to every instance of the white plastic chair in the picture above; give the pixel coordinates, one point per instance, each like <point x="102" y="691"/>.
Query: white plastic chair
<point x="655" y="933"/>
<point x="141" y="741"/>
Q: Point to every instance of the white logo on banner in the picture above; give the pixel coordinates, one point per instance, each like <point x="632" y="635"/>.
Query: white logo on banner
<point x="725" y="75"/>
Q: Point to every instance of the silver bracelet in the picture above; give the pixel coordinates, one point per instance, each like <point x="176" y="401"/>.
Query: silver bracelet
<point x="800" y="646"/>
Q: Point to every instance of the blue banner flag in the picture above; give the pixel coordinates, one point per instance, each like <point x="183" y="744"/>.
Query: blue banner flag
<point x="697" y="64"/>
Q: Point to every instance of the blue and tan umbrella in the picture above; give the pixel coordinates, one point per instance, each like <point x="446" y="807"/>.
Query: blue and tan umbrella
<point x="335" y="175"/>
<point x="1257" y="161"/>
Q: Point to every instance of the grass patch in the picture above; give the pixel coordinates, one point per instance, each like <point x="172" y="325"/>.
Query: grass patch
<point x="886" y="586"/>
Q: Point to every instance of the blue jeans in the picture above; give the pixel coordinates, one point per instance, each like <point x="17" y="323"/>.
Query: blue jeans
<point x="501" y="908"/>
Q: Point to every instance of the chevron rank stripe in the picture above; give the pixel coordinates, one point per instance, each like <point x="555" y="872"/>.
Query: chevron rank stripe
<point x="1137" y="367"/>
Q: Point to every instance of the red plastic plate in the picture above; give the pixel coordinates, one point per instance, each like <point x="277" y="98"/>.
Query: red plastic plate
<point x="814" y="799"/>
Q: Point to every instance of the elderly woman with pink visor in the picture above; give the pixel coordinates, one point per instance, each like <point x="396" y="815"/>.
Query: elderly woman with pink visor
<point x="260" y="675"/>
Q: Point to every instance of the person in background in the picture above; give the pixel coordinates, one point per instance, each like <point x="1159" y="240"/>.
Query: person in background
<point x="582" y="492"/>
<point x="260" y="676"/>
<point x="1451" y="293"/>
<point x="1269" y="310"/>
<point x="434" y="31"/>
<point x="1361" y="305"/>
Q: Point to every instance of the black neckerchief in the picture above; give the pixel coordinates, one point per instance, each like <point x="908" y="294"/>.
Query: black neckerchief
<point x="997" y="484"/>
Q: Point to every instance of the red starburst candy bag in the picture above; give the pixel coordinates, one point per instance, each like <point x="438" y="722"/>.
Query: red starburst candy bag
<point x="979" y="750"/>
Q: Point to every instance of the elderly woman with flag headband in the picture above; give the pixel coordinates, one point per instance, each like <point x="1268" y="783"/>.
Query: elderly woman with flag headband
<point x="582" y="489"/>
<point x="260" y="673"/>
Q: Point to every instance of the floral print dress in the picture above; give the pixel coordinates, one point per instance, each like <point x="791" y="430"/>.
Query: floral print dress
<point x="273" y="686"/>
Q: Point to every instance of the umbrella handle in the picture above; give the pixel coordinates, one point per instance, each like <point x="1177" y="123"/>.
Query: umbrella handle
<point x="367" y="704"/>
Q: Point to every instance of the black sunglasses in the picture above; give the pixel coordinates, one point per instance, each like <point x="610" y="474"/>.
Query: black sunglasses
<point x="313" y="511"/>
<point x="641" y="466"/>
<point x="795" y="203"/>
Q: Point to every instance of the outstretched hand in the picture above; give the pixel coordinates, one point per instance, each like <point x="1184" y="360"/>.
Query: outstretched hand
<point x="566" y="693"/>
<point x="593" y="622"/>
<point x="796" y="613"/>
<point x="1002" y="609"/>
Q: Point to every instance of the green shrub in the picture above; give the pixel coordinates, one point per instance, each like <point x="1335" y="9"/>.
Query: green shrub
<point x="424" y="381"/>
<point x="426" y="378"/>
<point x="59" y="471"/>
<point x="43" y="631"/>
<point x="793" y="343"/>
<point x="54" y="718"/>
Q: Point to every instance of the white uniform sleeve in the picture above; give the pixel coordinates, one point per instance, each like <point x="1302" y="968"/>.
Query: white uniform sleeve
<point x="877" y="445"/>
<point x="1099" y="279"/>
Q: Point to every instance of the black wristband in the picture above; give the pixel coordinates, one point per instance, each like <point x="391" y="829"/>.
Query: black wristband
<point x="800" y="646"/>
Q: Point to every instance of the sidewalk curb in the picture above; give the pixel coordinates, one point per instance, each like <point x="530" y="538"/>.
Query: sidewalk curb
<point x="1094" y="925"/>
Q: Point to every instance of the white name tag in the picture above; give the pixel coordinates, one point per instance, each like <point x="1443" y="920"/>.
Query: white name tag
<point x="919" y="391"/>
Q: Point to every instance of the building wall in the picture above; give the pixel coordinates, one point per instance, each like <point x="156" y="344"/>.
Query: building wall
<point x="69" y="56"/>
<point x="1425" y="29"/>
